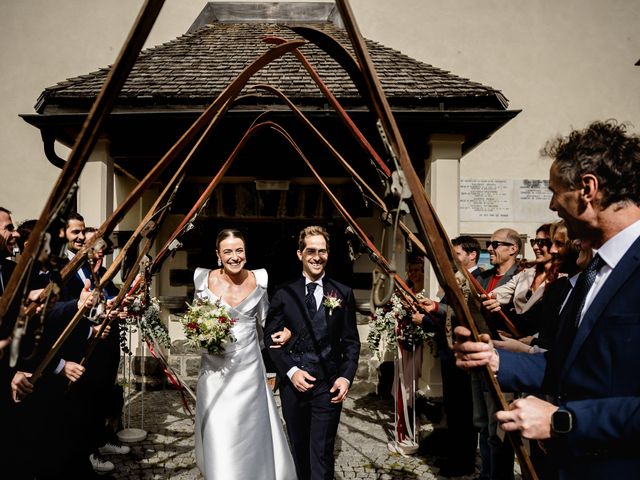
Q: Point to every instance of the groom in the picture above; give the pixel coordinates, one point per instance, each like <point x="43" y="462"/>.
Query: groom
<point x="319" y="362"/>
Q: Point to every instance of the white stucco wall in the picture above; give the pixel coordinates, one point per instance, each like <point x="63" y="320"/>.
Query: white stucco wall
<point x="564" y="63"/>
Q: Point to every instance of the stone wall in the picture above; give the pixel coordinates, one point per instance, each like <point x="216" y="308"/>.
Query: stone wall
<point x="185" y="360"/>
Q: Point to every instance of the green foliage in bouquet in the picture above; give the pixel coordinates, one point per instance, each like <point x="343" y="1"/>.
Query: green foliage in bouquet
<point x="208" y="325"/>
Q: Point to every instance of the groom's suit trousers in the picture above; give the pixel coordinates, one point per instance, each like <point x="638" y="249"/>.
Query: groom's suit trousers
<point x="312" y="423"/>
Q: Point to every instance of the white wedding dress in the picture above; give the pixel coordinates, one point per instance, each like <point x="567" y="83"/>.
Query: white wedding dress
<point x="239" y="435"/>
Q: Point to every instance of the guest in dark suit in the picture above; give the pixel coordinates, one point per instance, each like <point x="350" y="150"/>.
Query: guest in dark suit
<point x="8" y="238"/>
<point x="593" y="427"/>
<point x="48" y="444"/>
<point x="44" y="444"/>
<point x="8" y="234"/>
<point x="456" y="445"/>
<point x="8" y="242"/>
<point x="318" y="364"/>
<point x="96" y="393"/>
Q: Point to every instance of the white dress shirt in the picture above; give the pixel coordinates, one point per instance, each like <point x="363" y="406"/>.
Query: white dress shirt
<point x="611" y="252"/>
<point x="318" y="292"/>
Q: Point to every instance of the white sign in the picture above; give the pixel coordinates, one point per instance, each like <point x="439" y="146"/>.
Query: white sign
<point x="525" y="200"/>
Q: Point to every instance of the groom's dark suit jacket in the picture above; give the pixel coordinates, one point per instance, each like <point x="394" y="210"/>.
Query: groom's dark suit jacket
<point x="596" y="377"/>
<point x="326" y="346"/>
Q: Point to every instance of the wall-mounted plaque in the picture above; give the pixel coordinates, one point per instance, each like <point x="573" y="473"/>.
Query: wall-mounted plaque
<point x="522" y="200"/>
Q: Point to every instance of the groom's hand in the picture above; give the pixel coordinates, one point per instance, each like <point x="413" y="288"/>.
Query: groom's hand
<point x="301" y="380"/>
<point x="341" y="385"/>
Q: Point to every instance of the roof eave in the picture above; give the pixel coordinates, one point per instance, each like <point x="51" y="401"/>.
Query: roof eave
<point x="476" y="124"/>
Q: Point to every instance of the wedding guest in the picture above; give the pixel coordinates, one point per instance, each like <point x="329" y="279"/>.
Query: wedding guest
<point x="24" y="230"/>
<point x="96" y="393"/>
<point x="41" y="278"/>
<point x="49" y="443"/>
<point x="497" y="455"/>
<point x="539" y="320"/>
<point x="593" y="425"/>
<point x="8" y="236"/>
<point x="415" y="273"/>
<point x="456" y="445"/>
<point x="526" y="287"/>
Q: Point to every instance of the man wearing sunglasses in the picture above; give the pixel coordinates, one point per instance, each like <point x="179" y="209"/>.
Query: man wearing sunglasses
<point x="497" y="456"/>
<point x="503" y="248"/>
<point x="527" y="287"/>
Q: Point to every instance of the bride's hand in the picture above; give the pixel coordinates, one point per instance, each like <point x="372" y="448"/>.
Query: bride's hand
<point x="280" y="338"/>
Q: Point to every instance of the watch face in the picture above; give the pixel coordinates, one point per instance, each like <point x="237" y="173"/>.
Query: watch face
<point x="561" y="421"/>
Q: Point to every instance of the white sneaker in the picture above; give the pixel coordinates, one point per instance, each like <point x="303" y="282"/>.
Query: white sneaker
<point x="100" y="465"/>
<point x="114" y="448"/>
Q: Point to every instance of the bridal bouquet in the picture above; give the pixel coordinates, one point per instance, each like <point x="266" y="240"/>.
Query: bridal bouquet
<point x="392" y="323"/>
<point x="208" y="325"/>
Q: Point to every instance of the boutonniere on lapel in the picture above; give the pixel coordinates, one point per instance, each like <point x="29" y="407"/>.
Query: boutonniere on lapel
<point x="332" y="301"/>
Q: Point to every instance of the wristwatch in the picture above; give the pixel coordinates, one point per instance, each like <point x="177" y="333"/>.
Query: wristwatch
<point x="561" y="421"/>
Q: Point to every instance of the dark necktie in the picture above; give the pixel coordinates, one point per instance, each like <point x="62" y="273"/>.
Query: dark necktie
<point x="583" y="285"/>
<point x="310" y="299"/>
<point x="571" y="313"/>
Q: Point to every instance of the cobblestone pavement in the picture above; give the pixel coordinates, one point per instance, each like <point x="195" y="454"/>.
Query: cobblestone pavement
<point x="361" y="447"/>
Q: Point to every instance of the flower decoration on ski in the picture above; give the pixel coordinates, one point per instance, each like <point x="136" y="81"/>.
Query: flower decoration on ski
<point x="392" y="323"/>
<point x="208" y="325"/>
<point x="332" y="301"/>
<point x="143" y="316"/>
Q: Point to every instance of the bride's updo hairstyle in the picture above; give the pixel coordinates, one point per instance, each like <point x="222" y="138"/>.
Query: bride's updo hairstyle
<point x="229" y="233"/>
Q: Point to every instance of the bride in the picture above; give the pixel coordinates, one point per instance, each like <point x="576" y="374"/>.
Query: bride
<point x="238" y="431"/>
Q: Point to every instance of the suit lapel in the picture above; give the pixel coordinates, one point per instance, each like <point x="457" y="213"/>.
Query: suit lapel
<point x="329" y="287"/>
<point x="301" y="292"/>
<point x="84" y="274"/>
<point x="625" y="267"/>
<point x="537" y="295"/>
<point x="484" y="278"/>
<point x="507" y="276"/>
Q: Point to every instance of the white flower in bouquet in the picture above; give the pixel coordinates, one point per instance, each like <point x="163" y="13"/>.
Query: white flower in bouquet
<point x="208" y="325"/>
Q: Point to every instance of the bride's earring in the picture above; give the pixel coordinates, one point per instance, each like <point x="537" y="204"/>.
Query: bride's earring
<point x="219" y="262"/>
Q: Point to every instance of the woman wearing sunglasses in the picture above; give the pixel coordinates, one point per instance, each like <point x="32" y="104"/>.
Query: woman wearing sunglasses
<point x="527" y="287"/>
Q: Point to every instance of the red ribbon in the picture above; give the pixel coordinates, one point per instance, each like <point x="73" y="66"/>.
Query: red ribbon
<point x="176" y="383"/>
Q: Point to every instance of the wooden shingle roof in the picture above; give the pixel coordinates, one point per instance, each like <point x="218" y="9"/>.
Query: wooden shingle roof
<point x="194" y="68"/>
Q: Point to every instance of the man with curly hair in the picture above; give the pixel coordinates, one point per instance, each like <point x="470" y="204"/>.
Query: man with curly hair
<point x="592" y="427"/>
